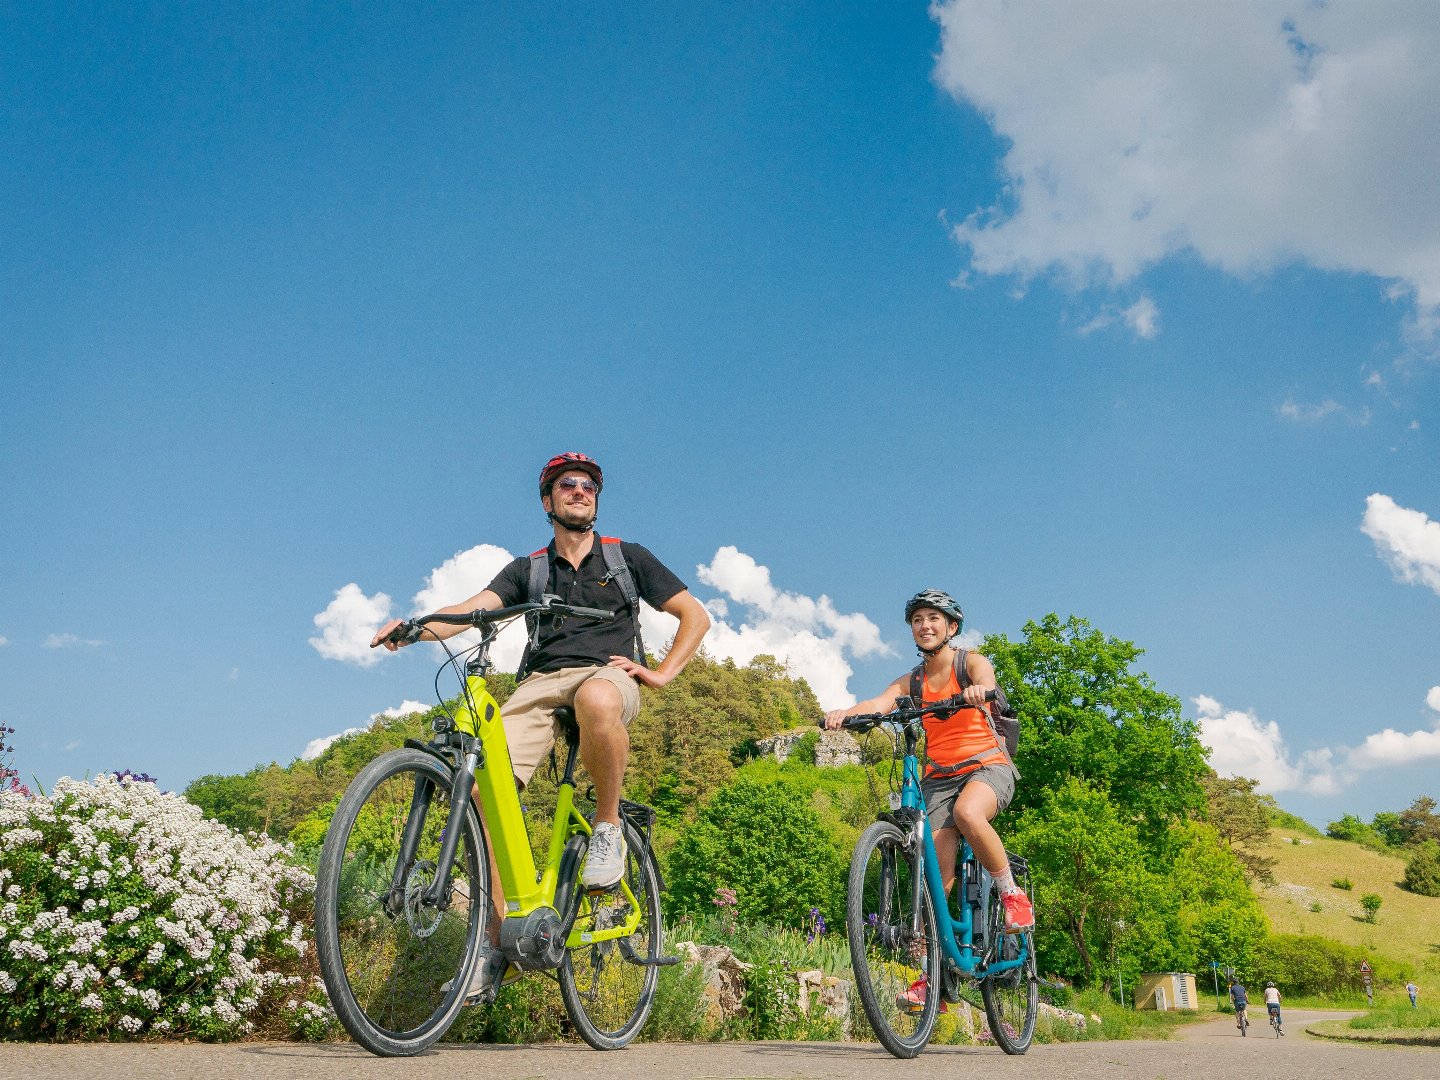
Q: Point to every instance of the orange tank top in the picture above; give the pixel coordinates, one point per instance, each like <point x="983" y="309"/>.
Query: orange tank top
<point x="963" y="741"/>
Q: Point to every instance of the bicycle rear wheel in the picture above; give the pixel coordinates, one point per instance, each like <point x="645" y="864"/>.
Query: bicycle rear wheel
<point x="395" y="963"/>
<point x="1012" y="997"/>
<point x="608" y="995"/>
<point x="893" y="945"/>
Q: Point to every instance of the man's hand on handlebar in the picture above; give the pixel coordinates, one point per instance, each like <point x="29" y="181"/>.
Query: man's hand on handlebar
<point x="387" y="637"/>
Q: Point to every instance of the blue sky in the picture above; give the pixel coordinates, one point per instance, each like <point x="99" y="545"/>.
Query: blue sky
<point x="1123" y="311"/>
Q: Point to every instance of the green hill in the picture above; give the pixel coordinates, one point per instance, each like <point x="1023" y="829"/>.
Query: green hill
<point x="1407" y="927"/>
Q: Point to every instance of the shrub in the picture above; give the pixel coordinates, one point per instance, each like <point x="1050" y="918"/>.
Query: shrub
<point x="125" y="912"/>
<point x="1422" y="872"/>
<point x="1371" y="903"/>
<point x="766" y="842"/>
<point x="1342" y="883"/>
<point x="1309" y="964"/>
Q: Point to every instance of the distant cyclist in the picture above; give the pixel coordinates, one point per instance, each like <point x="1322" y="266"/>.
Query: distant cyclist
<point x="1241" y="1000"/>
<point x="1272" y="1005"/>
<point x="969" y="777"/>
<point x="594" y="668"/>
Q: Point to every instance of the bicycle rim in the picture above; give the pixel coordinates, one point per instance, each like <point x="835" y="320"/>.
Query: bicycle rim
<point x="893" y="947"/>
<point x="1012" y="998"/>
<point x="607" y="995"/>
<point x="395" y="964"/>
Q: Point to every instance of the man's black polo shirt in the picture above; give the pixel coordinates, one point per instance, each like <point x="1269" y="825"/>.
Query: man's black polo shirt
<point x="577" y="642"/>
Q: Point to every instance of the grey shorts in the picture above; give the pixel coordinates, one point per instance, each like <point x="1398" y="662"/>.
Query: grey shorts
<point x="940" y="795"/>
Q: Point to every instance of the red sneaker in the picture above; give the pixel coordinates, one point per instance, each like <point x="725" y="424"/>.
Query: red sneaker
<point x="913" y="1000"/>
<point x="1019" y="912"/>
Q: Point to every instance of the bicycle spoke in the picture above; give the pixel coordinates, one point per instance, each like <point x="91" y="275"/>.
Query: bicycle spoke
<point x="893" y="944"/>
<point x="388" y="952"/>
<point x="608" y="997"/>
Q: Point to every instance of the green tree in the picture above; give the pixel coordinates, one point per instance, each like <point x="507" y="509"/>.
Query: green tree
<point x="1087" y="716"/>
<point x="1242" y="820"/>
<point x="235" y="801"/>
<point x="1419" y="822"/>
<point x="1389" y="827"/>
<point x="1353" y="829"/>
<point x="1089" y="872"/>
<point x="1422" y="872"/>
<point x="765" y="841"/>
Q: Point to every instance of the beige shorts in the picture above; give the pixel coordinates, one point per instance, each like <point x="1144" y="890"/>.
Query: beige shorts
<point x="529" y="714"/>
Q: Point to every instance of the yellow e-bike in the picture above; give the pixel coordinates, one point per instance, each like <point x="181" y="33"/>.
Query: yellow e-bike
<point x="403" y="890"/>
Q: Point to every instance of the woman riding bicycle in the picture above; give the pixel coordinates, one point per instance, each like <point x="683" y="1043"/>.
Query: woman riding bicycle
<point x="1272" y="1005"/>
<point x="969" y="777"/>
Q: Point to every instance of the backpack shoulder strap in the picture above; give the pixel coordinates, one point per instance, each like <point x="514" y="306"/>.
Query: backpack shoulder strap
<point x="917" y="683"/>
<point x="618" y="571"/>
<point x="539" y="577"/>
<point x="962" y="674"/>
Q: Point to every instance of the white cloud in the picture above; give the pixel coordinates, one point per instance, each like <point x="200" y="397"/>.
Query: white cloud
<point x="315" y="747"/>
<point x="1407" y="540"/>
<point x="68" y="641"/>
<point x="348" y="625"/>
<point x="1433" y="698"/>
<point x="1307" y="414"/>
<point x="1143" y="317"/>
<point x="405" y="708"/>
<point x="1391" y="747"/>
<point x="809" y="635"/>
<point x="4" y="641"/>
<point x="1241" y="744"/>
<point x="460" y="577"/>
<point x="1248" y="135"/>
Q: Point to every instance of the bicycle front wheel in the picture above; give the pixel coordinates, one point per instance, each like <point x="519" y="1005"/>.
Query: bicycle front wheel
<point x="608" y="993"/>
<point x="395" y="960"/>
<point x="1012" y="997"/>
<point x="894" y="949"/>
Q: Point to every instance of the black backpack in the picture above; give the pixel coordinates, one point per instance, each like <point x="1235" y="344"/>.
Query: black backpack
<point x="616" y="570"/>
<point x="1004" y="724"/>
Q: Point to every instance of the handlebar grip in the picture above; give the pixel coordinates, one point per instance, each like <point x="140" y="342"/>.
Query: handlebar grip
<point x="598" y="614"/>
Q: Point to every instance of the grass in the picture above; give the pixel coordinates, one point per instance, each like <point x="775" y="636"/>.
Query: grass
<point x="1391" y="1021"/>
<point x="1407" y="927"/>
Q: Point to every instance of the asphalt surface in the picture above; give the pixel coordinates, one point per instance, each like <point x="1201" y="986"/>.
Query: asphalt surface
<point x="1213" y="1048"/>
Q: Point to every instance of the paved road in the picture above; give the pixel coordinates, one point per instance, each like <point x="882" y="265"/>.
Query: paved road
<point x="1212" y="1048"/>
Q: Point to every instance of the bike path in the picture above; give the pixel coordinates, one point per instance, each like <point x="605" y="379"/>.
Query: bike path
<point x="1293" y="1020"/>
<point x="1184" y="1058"/>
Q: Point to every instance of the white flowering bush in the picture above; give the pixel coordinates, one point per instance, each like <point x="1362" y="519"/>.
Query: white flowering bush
<point x="125" y="913"/>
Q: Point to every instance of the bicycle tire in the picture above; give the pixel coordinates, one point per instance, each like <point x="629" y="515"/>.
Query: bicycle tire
<point x="395" y="967"/>
<point x="607" y="995"/>
<point x="1012" y="998"/>
<point x="884" y="946"/>
<point x="1244" y="1022"/>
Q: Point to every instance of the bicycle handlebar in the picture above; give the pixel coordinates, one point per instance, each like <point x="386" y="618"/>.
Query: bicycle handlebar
<point x="410" y="630"/>
<point x="907" y="713"/>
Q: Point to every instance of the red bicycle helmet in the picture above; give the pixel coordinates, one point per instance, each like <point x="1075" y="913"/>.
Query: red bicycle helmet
<point x="563" y="462"/>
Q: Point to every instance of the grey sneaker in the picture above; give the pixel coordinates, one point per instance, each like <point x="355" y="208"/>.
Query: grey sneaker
<point x="489" y="970"/>
<point x="606" y="863"/>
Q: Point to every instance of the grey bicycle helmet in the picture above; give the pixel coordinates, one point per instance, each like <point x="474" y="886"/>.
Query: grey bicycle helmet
<point x="942" y="602"/>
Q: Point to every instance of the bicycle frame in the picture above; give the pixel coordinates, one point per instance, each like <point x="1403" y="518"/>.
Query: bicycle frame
<point x="957" y="936"/>
<point x="485" y="763"/>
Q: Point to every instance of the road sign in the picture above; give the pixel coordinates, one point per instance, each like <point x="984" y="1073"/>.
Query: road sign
<point x="1364" y="968"/>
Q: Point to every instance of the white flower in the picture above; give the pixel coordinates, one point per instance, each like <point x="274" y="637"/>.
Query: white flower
<point x="92" y="1001"/>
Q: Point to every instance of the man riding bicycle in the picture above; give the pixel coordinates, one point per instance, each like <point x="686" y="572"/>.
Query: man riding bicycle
<point x="1272" y="1005"/>
<point x="969" y="777"/>
<point x="593" y="668"/>
<point x="1241" y="1000"/>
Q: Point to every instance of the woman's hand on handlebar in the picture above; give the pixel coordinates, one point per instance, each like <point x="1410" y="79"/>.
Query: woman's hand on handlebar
<point x="834" y="718"/>
<point x="975" y="694"/>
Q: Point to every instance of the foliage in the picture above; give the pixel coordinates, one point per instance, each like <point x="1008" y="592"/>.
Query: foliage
<point x="1418" y="822"/>
<point x="1087" y="717"/>
<point x="1242" y="819"/>
<point x="1399" y="1016"/>
<point x="1422" y="872"/>
<point x="127" y="913"/>
<point x="1356" y="831"/>
<point x="528" y="1010"/>
<point x="1305" y="964"/>
<point x="1371" y="903"/>
<point x="1089" y="873"/>
<point x="1283" y="819"/>
<point x="1343" y="883"/>
<point x="766" y="842"/>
